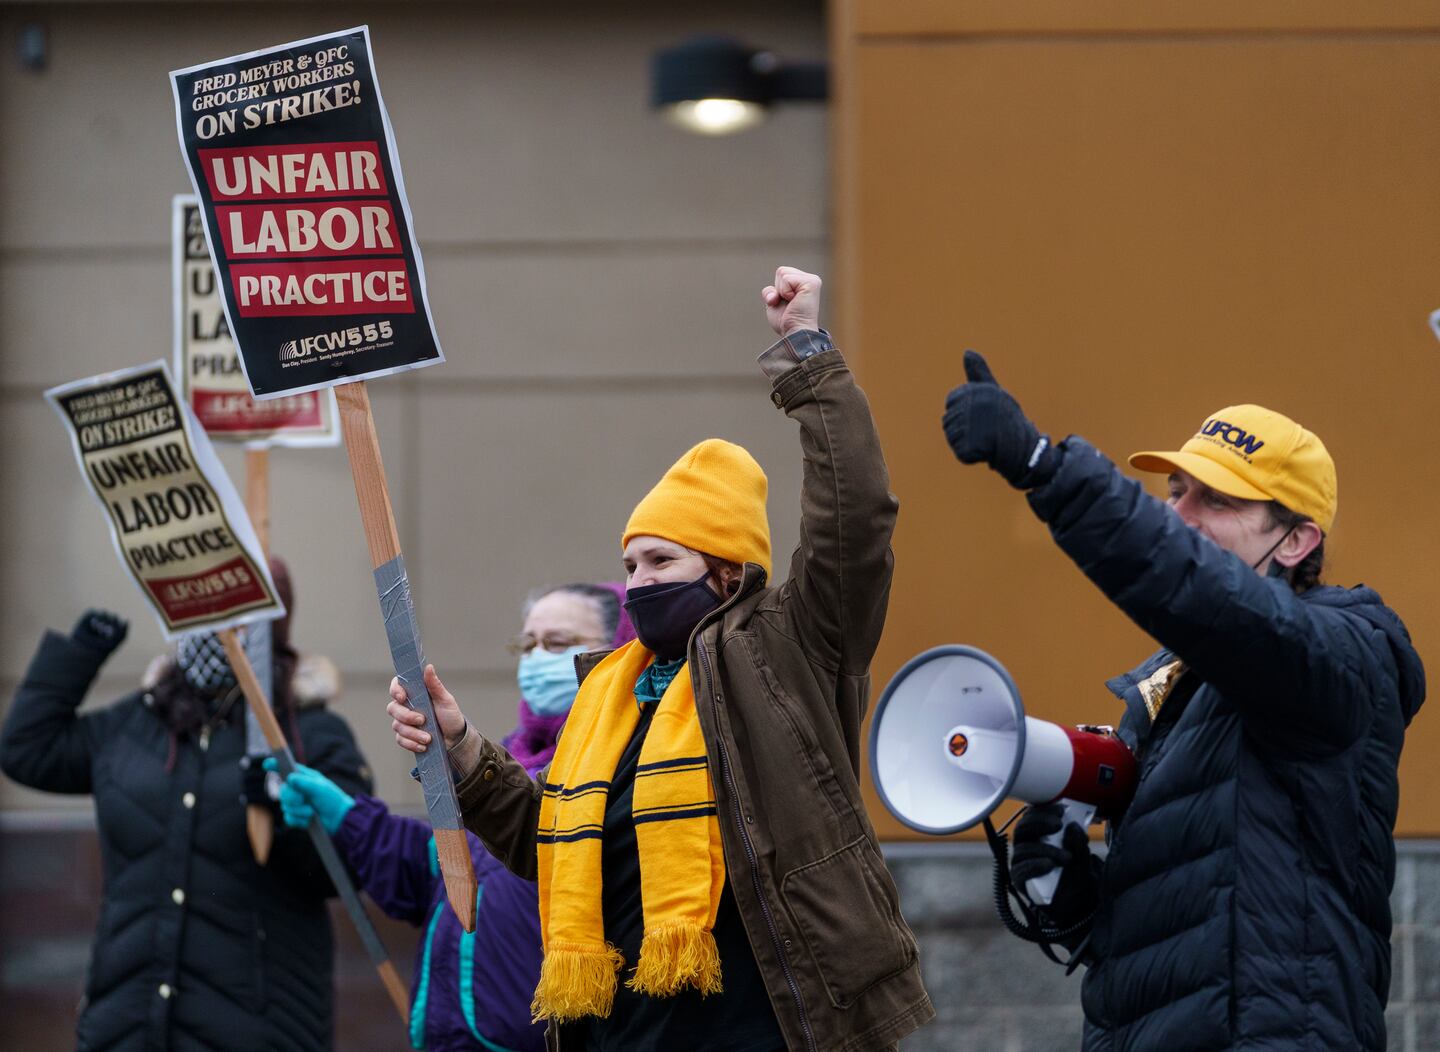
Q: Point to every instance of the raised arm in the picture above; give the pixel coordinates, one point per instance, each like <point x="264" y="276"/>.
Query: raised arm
<point x="1284" y="662"/>
<point x="839" y="581"/>
<point x="45" y="744"/>
<point x="499" y="801"/>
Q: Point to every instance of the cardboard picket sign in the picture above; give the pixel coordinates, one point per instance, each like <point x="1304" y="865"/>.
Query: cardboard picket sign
<point x="207" y="364"/>
<point x="176" y="521"/>
<point x="292" y="156"/>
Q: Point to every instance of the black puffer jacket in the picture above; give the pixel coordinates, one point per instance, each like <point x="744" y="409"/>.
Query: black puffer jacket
<point x="1245" y="898"/>
<point x="198" y="947"/>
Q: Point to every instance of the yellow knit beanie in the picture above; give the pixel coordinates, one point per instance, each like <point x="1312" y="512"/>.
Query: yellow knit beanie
<point x="712" y="500"/>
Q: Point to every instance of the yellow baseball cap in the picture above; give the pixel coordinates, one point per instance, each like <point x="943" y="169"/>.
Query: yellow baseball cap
<point x="1254" y="453"/>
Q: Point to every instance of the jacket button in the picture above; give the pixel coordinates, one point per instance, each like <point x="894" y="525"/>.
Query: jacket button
<point x="749" y="820"/>
<point x="188" y="800"/>
<point x="178" y="896"/>
<point x="787" y="944"/>
<point x="166" y="991"/>
<point x="488" y="774"/>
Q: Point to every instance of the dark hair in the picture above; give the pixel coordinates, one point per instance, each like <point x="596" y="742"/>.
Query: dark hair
<point x="1305" y="574"/>
<point x="184" y="712"/>
<point x="607" y="603"/>
<point x="716" y="565"/>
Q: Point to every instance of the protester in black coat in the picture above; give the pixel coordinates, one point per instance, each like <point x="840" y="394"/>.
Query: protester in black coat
<point x="1244" y="901"/>
<point x="198" y="947"/>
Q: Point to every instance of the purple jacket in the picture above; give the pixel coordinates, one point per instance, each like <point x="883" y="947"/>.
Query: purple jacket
<point x="469" y="991"/>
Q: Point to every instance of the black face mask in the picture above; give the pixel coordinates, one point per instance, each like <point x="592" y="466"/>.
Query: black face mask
<point x="1274" y="569"/>
<point x="664" y="615"/>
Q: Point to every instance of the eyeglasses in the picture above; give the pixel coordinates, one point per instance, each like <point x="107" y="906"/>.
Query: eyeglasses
<point x="553" y="644"/>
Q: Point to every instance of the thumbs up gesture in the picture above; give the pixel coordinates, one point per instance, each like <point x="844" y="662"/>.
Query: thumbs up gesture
<point x="984" y="424"/>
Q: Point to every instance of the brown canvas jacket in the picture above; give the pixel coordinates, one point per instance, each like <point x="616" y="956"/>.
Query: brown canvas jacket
<point x="781" y="679"/>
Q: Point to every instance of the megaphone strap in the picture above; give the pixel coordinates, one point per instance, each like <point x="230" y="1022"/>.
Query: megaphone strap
<point x="1034" y="928"/>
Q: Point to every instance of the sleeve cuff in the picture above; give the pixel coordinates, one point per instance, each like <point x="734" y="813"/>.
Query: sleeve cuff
<point x="789" y="351"/>
<point x="65" y="665"/>
<point x="359" y="817"/>
<point x="465" y="754"/>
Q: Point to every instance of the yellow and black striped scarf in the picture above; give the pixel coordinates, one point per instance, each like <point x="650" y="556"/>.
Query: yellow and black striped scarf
<point x="682" y="865"/>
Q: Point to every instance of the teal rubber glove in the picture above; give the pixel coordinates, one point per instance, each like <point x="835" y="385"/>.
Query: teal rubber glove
<point x="308" y="794"/>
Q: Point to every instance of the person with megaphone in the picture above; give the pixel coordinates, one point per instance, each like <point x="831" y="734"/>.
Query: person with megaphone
<point x="708" y="876"/>
<point x="1244" y="899"/>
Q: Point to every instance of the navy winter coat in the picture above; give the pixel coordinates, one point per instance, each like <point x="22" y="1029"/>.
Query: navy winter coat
<point x="198" y="949"/>
<point x="1244" y="902"/>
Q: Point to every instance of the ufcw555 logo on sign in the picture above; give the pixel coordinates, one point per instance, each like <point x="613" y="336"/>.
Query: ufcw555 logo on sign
<point x="1246" y="444"/>
<point x="340" y="339"/>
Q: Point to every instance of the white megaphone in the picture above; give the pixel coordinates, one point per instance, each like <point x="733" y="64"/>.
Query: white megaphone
<point x="950" y="741"/>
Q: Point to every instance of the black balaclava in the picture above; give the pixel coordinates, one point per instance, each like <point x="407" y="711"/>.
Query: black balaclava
<point x="201" y="658"/>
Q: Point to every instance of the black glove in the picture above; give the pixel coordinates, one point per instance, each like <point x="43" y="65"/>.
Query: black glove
<point x="1079" y="886"/>
<point x="257" y="785"/>
<point x="984" y="424"/>
<point x="100" y="630"/>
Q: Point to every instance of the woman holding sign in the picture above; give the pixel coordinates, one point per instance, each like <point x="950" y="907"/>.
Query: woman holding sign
<point x="708" y="876"/>
<point x="198" y="946"/>
<point x="471" y="992"/>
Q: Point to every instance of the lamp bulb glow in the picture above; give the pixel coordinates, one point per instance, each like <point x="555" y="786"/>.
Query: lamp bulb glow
<point x="715" y="116"/>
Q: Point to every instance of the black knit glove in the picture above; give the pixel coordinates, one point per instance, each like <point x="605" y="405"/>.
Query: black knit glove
<point x="1030" y="857"/>
<point x="100" y="631"/>
<point x="984" y="424"/>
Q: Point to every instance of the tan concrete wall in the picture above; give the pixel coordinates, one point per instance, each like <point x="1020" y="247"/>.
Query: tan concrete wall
<point x="595" y="276"/>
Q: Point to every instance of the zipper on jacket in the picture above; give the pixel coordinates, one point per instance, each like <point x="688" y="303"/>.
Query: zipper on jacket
<point x="750" y="853"/>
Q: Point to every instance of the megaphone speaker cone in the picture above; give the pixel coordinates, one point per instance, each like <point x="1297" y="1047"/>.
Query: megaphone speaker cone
<point x="950" y="741"/>
<point x="946" y="732"/>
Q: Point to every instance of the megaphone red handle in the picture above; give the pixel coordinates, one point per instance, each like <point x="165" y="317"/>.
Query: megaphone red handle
<point x="1104" y="774"/>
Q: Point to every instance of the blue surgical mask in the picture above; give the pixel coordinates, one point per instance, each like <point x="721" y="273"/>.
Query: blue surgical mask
<point x="547" y="681"/>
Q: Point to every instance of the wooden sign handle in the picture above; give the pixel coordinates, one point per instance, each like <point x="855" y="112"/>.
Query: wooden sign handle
<point x="257" y="493"/>
<point x="259" y="819"/>
<point x="324" y="846"/>
<point x="357" y="424"/>
<point x="397" y="608"/>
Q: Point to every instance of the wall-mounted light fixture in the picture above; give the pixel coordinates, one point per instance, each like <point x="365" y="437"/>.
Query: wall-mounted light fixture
<point x="716" y="86"/>
<point x="33" y="48"/>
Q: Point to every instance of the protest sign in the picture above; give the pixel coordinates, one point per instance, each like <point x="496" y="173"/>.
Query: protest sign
<point x="292" y="155"/>
<point x="207" y="365"/>
<point x="177" y="522"/>
<point x="291" y="152"/>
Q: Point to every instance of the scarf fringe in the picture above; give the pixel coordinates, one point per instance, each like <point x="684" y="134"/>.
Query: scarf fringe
<point x="675" y="955"/>
<point x="576" y="980"/>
